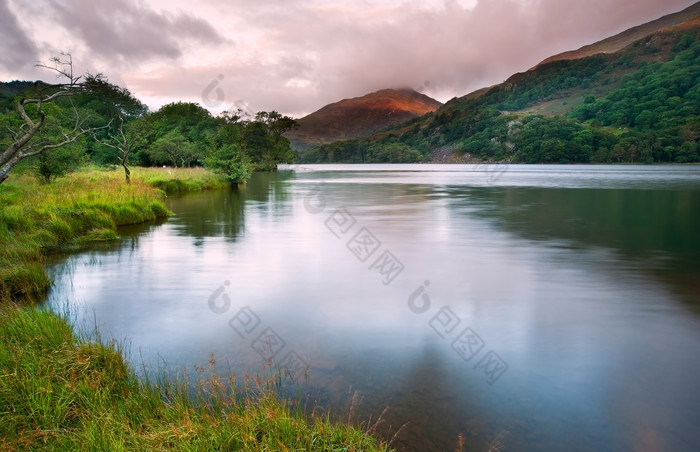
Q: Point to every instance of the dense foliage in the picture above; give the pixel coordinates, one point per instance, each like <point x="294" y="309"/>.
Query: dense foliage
<point x="179" y="134"/>
<point x="641" y="104"/>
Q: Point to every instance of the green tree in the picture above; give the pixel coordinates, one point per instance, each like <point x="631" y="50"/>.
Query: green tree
<point x="276" y="123"/>
<point x="231" y="161"/>
<point x="173" y="149"/>
<point x="24" y="140"/>
<point x="257" y="143"/>
<point x="117" y="107"/>
<point x="57" y="162"/>
<point x="264" y="142"/>
<point x="688" y="152"/>
<point x="180" y="124"/>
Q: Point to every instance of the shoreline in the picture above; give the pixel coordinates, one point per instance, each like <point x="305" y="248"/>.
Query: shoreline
<point x="61" y="391"/>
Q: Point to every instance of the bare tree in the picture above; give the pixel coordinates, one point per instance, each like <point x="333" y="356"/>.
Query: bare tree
<point x="22" y="145"/>
<point x="119" y="141"/>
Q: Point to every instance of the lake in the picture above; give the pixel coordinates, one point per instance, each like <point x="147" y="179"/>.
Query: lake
<point x="526" y="307"/>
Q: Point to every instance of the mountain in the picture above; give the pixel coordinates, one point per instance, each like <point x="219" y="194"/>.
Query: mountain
<point x="8" y="91"/>
<point x="360" y="116"/>
<point x="640" y="103"/>
<point x="627" y="37"/>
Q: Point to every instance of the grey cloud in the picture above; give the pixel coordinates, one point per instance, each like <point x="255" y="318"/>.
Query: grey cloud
<point x="353" y="52"/>
<point x="17" y="48"/>
<point x="131" y="31"/>
<point x="459" y="50"/>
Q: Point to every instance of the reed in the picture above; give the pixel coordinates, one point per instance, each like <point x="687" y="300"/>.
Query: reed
<point x="59" y="392"/>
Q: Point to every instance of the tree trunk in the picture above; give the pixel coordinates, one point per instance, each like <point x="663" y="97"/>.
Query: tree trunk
<point x="8" y="166"/>
<point x="127" y="173"/>
<point x="125" y="164"/>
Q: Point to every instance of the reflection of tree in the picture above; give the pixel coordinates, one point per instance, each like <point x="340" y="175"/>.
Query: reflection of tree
<point x="221" y="213"/>
<point x="61" y="266"/>
<point x="639" y="224"/>
<point x="270" y="190"/>
<point x="217" y="213"/>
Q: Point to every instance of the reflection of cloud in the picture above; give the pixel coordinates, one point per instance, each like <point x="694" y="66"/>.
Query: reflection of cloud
<point x="299" y="55"/>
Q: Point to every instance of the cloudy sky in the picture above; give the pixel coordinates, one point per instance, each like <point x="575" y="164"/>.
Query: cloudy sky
<point x="295" y="56"/>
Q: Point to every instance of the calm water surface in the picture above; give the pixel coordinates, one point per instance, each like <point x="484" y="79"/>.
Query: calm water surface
<point x="529" y="307"/>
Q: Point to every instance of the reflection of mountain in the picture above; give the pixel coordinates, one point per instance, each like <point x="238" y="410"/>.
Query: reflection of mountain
<point x="654" y="229"/>
<point x="221" y="213"/>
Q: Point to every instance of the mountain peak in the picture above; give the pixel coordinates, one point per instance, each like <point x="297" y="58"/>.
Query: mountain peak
<point x="360" y="116"/>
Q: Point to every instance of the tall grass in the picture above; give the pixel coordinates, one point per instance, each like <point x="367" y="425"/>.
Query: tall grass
<point x="179" y="180"/>
<point x="61" y="392"/>
<point x="86" y="206"/>
<point x="58" y="392"/>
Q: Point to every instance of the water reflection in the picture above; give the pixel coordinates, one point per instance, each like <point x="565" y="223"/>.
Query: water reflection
<point x="575" y="287"/>
<point x="218" y="214"/>
<point x="222" y="213"/>
<point x="648" y="229"/>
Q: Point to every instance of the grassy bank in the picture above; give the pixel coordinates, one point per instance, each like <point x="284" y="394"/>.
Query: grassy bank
<point x="180" y="180"/>
<point x="86" y="206"/>
<point x="58" y="392"/>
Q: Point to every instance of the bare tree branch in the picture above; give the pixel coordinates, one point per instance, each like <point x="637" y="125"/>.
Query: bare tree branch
<point x="121" y="143"/>
<point x="21" y="148"/>
<point x="62" y="67"/>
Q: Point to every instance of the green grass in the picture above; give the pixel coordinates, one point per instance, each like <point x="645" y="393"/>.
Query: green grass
<point x="58" y="392"/>
<point x="180" y="180"/>
<point x="61" y="392"/>
<point x="84" y="207"/>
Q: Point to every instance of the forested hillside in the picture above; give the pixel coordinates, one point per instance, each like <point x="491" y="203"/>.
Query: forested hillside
<point x="640" y="104"/>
